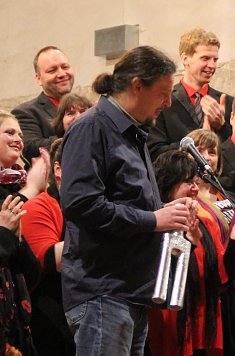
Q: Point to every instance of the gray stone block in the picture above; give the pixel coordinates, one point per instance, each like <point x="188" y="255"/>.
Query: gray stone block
<point x="112" y="42"/>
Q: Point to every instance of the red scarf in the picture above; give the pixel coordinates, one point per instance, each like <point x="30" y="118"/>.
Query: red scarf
<point x="11" y="176"/>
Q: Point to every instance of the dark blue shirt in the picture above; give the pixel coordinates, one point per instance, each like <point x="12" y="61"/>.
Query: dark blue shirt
<point x="108" y="195"/>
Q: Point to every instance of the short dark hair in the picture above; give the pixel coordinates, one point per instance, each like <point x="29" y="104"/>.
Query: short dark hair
<point x="55" y="156"/>
<point x="145" y="62"/>
<point x="173" y="167"/>
<point x="42" y="50"/>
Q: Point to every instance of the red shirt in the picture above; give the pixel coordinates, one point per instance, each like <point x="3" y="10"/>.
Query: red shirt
<point x="233" y="139"/>
<point x="42" y="225"/>
<point x="191" y="91"/>
<point x="54" y="101"/>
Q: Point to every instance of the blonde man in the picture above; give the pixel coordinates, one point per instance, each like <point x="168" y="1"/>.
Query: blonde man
<point x="195" y="104"/>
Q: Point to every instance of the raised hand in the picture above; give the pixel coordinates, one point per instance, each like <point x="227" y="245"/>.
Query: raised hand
<point x="194" y="234"/>
<point x="11" y="213"/>
<point x="213" y="112"/>
<point x="37" y="178"/>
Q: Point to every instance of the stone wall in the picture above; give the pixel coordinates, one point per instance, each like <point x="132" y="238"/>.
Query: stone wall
<point x="223" y="80"/>
<point x="9" y="103"/>
<point x="26" y="26"/>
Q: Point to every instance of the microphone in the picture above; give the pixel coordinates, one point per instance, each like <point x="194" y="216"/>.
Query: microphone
<point x="187" y="144"/>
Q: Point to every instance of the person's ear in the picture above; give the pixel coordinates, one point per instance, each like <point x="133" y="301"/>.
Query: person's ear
<point x="184" y="58"/>
<point x="38" y="78"/>
<point x="136" y="84"/>
<point x="231" y="118"/>
<point x="57" y="171"/>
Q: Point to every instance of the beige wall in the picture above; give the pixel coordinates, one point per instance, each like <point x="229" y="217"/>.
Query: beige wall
<point x="28" y="25"/>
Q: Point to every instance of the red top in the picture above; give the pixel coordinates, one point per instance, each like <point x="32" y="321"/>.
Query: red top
<point x="191" y="91"/>
<point x="42" y="225"/>
<point x="162" y="336"/>
<point x="233" y="139"/>
<point x="54" y="101"/>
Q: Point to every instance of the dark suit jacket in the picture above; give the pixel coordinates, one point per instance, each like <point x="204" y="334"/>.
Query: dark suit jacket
<point x="35" y="118"/>
<point x="227" y="178"/>
<point x="177" y="121"/>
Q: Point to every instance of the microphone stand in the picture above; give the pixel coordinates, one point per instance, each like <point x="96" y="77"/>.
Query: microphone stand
<point x="215" y="183"/>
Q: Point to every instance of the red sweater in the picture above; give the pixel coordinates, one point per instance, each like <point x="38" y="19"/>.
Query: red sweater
<point x="43" y="224"/>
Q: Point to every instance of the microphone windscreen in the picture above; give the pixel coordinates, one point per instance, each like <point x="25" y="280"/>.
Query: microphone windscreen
<point x="186" y="142"/>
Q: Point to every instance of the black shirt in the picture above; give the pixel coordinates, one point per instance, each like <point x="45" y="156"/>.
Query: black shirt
<point x="108" y="195"/>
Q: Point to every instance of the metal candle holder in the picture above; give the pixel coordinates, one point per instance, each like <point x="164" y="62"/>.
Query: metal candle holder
<point x="175" y="244"/>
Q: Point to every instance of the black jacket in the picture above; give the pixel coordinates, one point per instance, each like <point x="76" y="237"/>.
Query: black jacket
<point x="35" y="118"/>
<point x="19" y="273"/>
<point x="227" y="178"/>
<point x="177" y="121"/>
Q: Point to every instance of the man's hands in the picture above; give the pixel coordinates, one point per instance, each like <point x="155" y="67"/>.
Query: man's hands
<point x="179" y="215"/>
<point x="213" y="112"/>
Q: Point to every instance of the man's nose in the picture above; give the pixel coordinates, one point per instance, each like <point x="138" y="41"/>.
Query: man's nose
<point x="212" y="63"/>
<point x="60" y="72"/>
<point x="167" y="102"/>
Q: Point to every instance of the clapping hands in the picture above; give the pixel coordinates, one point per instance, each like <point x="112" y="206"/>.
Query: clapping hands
<point x="11" y="214"/>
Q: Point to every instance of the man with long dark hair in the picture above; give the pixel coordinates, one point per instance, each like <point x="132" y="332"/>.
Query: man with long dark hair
<point x="114" y="216"/>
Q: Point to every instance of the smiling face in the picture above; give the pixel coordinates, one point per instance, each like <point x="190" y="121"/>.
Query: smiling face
<point x="11" y="142"/>
<point x="54" y="73"/>
<point x="188" y="188"/>
<point x="200" y="67"/>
